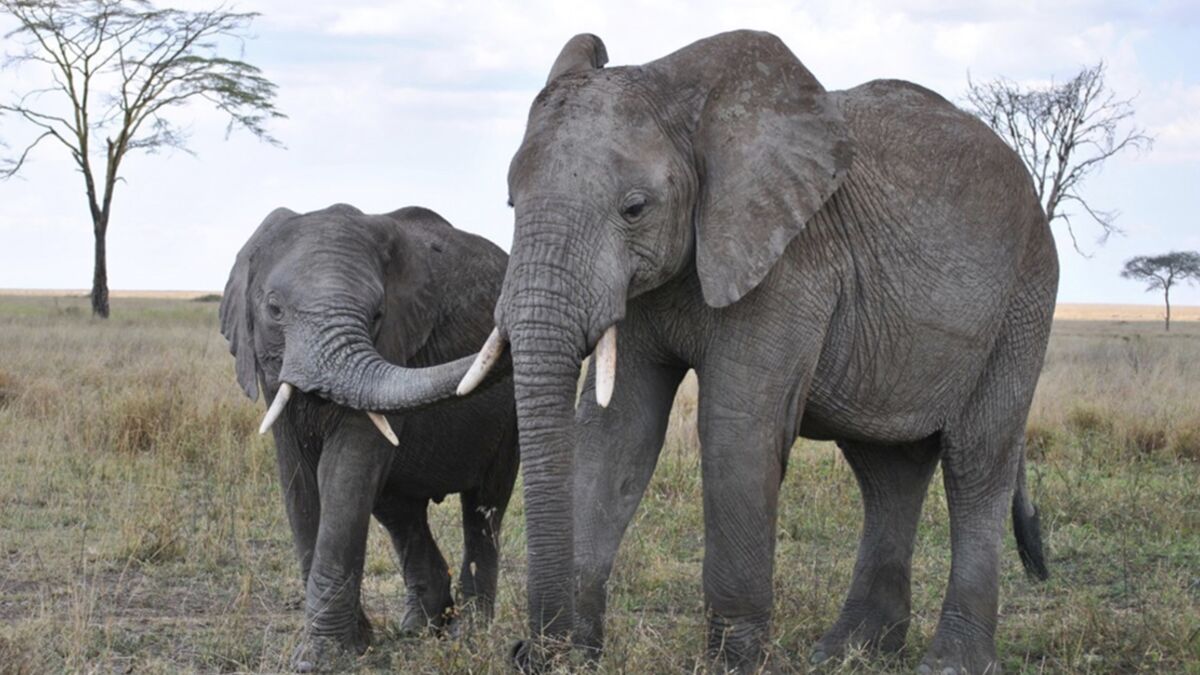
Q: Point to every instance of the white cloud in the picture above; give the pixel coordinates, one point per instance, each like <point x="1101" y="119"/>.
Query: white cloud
<point x="424" y="102"/>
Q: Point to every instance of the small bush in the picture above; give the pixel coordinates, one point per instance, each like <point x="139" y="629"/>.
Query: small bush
<point x="140" y="420"/>
<point x="8" y="389"/>
<point x="1039" y="441"/>
<point x="1089" y="421"/>
<point x="153" y="538"/>
<point x="207" y="297"/>
<point x="1186" y="444"/>
<point x="1145" y="437"/>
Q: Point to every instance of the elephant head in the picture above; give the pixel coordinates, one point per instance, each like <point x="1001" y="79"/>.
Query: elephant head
<point x="334" y="303"/>
<point x="626" y="179"/>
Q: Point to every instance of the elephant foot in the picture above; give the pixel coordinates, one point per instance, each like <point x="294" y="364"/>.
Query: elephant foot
<point x="956" y="654"/>
<point x="533" y="657"/>
<point x="320" y="652"/>
<point x="739" y="645"/>
<point x="873" y="629"/>
<point x="416" y="622"/>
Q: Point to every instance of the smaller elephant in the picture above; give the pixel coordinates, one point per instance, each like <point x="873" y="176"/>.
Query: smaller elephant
<point x="329" y="312"/>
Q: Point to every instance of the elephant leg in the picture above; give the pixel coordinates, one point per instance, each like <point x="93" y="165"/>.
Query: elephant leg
<point x="482" y="515"/>
<point x="617" y="449"/>
<point x="298" y="481"/>
<point x="349" y="476"/>
<point x="745" y="435"/>
<point x="981" y="452"/>
<point x="979" y="475"/>
<point x="893" y="481"/>
<point x="428" y="603"/>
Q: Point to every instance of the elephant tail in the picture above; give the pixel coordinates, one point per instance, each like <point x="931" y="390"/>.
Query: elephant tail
<point x="1027" y="526"/>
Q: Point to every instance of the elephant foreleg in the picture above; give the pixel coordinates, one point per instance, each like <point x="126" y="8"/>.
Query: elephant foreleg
<point x="616" y="451"/>
<point x="298" y="480"/>
<point x="893" y="481"/>
<point x="348" y="476"/>
<point x="745" y="435"/>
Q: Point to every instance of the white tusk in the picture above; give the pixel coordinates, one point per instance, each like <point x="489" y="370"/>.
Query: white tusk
<point x="605" y="358"/>
<point x="488" y="356"/>
<point x="277" y="406"/>
<point x="381" y="423"/>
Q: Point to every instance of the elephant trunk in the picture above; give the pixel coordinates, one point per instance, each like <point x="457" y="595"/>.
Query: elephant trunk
<point x="553" y="314"/>
<point x="546" y="356"/>
<point x="339" y="362"/>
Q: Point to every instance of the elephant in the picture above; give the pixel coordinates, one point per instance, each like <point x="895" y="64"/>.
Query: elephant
<point x="868" y="266"/>
<point x="328" y="311"/>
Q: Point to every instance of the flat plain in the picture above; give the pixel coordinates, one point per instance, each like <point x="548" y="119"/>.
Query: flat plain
<point x="141" y="528"/>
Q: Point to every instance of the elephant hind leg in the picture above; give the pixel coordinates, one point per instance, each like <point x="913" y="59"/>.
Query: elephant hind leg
<point x="982" y="451"/>
<point x="482" y="515"/>
<point x="427" y="602"/>
<point x="893" y="481"/>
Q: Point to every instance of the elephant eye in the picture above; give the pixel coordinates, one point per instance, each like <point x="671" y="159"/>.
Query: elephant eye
<point x="274" y="310"/>
<point x="634" y="206"/>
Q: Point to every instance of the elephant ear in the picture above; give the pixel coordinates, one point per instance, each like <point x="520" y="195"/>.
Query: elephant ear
<point x="236" y="321"/>
<point x="771" y="147"/>
<point x="582" y="53"/>
<point x="410" y="307"/>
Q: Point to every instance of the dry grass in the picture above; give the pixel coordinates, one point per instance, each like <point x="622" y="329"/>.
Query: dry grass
<point x="141" y="527"/>
<point x="1150" y="312"/>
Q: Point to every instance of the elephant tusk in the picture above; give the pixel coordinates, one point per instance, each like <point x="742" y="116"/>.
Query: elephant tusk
<point x="488" y="356"/>
<point x="381" y="423"/>
<point x="277" y="406"/>
<point x="605" y="358"/>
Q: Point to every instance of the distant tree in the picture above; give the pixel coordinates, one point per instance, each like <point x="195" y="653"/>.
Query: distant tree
<point x="113" y="70"/>
<point x="1163" y="272"/>
<point x="1063" y="133"/>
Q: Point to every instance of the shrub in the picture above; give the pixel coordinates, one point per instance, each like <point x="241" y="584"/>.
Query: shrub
<point x="207" y="297"/>
<point x="1039" y="441"/>
<point x="1146" y="437"/>
<point x="8" y="389"/>
<point x="1089" y="421"/>
<point x="1186" y="444"/>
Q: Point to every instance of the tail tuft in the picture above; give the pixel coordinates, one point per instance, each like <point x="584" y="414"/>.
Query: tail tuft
<point x="1027" y="526"/>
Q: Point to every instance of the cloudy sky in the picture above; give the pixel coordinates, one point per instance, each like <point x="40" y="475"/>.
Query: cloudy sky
<point x="416" y="102"/>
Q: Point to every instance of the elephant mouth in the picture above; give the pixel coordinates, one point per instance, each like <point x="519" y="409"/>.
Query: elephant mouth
<point x="285" y="394"/>
<point x="604" y="356"/>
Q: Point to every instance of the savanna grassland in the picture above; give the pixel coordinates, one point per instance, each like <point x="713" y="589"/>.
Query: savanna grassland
<point x="141" y="528"/>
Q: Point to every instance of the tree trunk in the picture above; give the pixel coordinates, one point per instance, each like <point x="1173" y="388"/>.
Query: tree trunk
<point x="1167" y="298"/>
<point x="100" y="274"/>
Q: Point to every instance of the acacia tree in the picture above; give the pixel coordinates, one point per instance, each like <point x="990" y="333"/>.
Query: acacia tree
<point x="1063" y="133"/>
<point x="1161" y="272"/>
<point x="114" y="70"/>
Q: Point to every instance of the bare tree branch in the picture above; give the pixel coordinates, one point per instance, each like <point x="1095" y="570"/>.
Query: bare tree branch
<point x="1063" y="134"/>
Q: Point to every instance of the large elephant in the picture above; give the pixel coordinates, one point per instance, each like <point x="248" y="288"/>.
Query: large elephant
<point x="869" y="266"/>
<point x="323" y="311"/>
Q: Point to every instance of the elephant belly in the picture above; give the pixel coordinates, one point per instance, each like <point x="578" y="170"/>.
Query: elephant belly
<point x="894" y="391"/>
<point x="452" y="448"/>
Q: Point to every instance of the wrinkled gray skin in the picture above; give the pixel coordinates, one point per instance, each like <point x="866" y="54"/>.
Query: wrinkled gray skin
<point x="327" y="301"/>
<point x="869" y="266"/>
